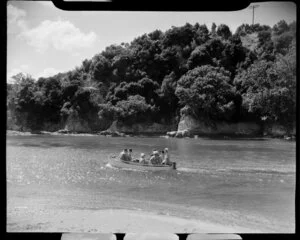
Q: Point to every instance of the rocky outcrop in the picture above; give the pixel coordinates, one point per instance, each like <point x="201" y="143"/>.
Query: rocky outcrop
<point x="52" y="127"/>
<point x="91" y="123"/>
<point x="141" y="128"/>
<point x="183" y="133"/>
<point x="277" y="130"/>
<point x="10" y="121"/>
<point x="75" y="124"/>
<point x="194" y="126"/>
<point x="112" y="133"/>
<point x="189" y="126"/>
<point x="14" y="125"/>
<point x="171" y="133"/>
<point x="63" y="131"/>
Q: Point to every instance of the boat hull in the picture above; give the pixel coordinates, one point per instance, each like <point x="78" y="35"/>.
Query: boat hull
<point x="143" y="167"/>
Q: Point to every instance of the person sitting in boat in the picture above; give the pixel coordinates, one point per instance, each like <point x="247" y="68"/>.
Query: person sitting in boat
<point x="130" y="155"/>
<point x="155" y="159"/>
<point x="143" y="159"/>
<point x="152" y="154"/>
<point x="162" y="156"/>
<point x="152" y="158"/>
<point x="166" y="159"/>
<point x="159" y="158"/>
<point x="124" y="155"/>
<point x="133" y="160"/>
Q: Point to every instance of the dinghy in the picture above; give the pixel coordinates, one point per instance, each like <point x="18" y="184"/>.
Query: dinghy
<point x="116" y="162"/>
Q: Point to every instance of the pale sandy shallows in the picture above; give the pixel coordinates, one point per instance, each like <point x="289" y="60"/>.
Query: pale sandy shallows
<point x="111" y="221"/>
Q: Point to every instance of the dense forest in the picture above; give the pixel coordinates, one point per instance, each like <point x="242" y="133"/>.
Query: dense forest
<point x="211" y="74"/>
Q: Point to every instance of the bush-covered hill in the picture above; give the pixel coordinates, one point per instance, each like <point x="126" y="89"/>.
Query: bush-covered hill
<point x="211" y="74"/>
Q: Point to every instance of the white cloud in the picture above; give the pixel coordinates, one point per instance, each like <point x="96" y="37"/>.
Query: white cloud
<point x="61" y="35"/>
<point x="14" y="14"/>
<point x="47" y="72"/>
<point x="15" y="19"/>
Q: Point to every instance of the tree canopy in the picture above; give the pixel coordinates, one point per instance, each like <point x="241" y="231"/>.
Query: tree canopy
<point x="213" y="74"/>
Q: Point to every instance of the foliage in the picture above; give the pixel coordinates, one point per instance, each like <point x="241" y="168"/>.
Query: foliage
<point x="168" y="98"/>
<point x="245" y="29"/>
<point x="250" y="75"/>
<point x="134" y="108"/>
<point x="268" y="88"/>
<point x="206" y="90"/>
<point x="224" y="31"/>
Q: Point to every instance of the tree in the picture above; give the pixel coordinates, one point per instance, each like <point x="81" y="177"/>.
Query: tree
<point x="280" y="27"/>
<point x="213" y="29"/>
<point x="122" y="67"/>
<point x="169" y="100"/>
<point x="111" y="51"/>
<point x="168" y="86"/>
<point x="215" y="48"/>
<point x="207" y="92"/>
<point x="49" y="96"/>
<point x="255" y="77"/>
<point x="107" y="111"/>
<point x="282" y="42"/>
<point x="224" y="31"/>
<point x="285" y="68"/>
<point x="144" y="87"/>
<point x="101" y="69"/>
<point x="86" y="64"/>
<point x="202" y="33"/>
<point x="27" y="102"/>
<point x="213" y="74"/>
<point x="233" y="55"/>
<point x="25" y="91"/>
<point x="133" y="109"/>
<point x="146" y="57"/>
<point x="245" y="29"/>
<point x="69" y="91"/>
<point x="200" y="56"/>
<point x="169" y="60"/>
<point x="156" y="35"/>
<point x="268" y="90"/>
<point x="180" y="36"/>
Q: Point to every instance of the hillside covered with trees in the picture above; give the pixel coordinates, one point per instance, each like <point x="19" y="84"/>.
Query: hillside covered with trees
<point x="211" y="74"/>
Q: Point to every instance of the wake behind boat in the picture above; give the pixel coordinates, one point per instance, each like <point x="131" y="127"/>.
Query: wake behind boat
<point x="116" y="162"/>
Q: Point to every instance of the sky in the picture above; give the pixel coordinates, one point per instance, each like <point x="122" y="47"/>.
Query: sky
<point x="43" y="40"/>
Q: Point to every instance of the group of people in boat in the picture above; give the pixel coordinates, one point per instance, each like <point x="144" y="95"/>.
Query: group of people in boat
<point x="156" y="157"/>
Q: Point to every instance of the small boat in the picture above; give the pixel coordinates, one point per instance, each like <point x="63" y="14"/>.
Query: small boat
<point x="115" y="162"/>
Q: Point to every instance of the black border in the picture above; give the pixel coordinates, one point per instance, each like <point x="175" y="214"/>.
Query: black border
<point x="140" y="5"/>
<point x="153" y="5"/>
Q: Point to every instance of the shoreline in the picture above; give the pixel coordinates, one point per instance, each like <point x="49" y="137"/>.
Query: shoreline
<point x="204" y="136"/>
<point x="29" y="211"/>
<point x="112" y="220"/>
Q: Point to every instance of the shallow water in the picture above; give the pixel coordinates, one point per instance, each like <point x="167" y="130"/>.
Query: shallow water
<point x="251" y="179"/>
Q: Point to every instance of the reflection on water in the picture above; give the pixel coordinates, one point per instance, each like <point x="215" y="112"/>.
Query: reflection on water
<point x="249" y="176"/>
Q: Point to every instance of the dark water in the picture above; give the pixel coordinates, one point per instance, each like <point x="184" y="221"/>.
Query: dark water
<point x="253" y="180"/>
